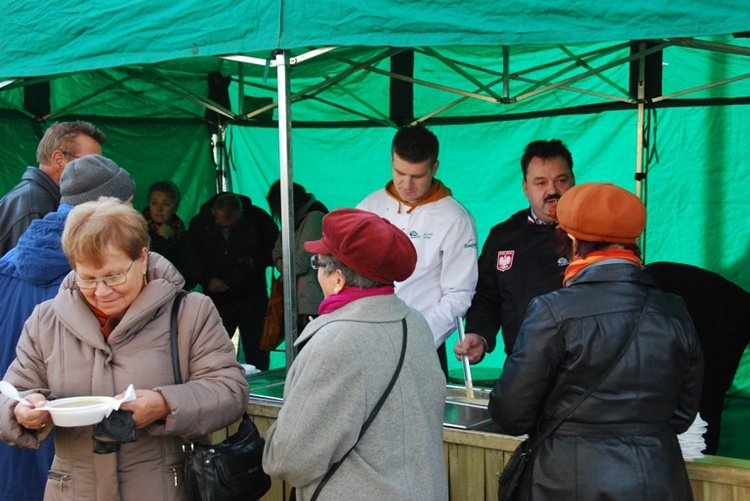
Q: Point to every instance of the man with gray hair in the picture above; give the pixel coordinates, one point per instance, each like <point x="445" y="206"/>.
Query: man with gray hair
<point x="38" y="193"/>
<point x="31" y="273"/>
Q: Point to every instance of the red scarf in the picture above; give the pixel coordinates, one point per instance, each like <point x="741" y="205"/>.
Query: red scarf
<point x="579" y="264"/>
<point x="437" y="191"/>
<point x="349" y="294"/>
<point x="107" y="324"/>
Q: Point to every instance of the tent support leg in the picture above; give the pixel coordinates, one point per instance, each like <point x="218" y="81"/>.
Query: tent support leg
<point x="221" y="159"/>
<point x="287" y="208"/>
<point x="639" y="174"/>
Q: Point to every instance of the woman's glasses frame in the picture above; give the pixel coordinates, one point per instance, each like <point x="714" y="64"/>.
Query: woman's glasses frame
<point x="316" y="263"/>
<point x="110" y="281"/>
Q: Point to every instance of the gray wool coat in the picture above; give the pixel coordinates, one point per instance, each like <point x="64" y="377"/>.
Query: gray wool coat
<point x="340" y="374"/>
<point x="62" y="353"/>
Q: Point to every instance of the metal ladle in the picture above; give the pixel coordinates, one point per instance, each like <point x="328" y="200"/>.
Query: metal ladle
<point x="465" y="360"/>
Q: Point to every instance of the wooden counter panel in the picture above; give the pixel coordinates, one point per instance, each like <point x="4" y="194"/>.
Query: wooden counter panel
<point x="473" y="459"/>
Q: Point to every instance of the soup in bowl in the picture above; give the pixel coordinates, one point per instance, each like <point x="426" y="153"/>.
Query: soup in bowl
<point x="79" y="411"/>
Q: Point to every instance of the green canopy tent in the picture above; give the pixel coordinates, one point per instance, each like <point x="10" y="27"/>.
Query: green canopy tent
<point x="649" y="95"/>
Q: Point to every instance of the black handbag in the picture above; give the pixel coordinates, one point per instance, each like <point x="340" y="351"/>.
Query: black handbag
<point x="228" y="471"/>
<point x="512" y="476"/>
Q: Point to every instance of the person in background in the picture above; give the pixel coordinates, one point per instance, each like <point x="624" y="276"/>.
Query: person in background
<point x="440" y="228"/>
<point x="165" y="228"/>
<point x="522" y="257"/>
<point x="351" y="354"/>
<point x="104" y="330"/>
<point x="231" y="241"/>
<point x="718" y="308"/>
<point x="31" y="273"/>
<point x="38" y="193"/>
<point x="308" y="225"/>
<point x="621" y="441"/>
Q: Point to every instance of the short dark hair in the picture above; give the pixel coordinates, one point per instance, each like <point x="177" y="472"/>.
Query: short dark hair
<point x="545" y="149"/>
<point x="300" y="197"/>
<point x="414" y="143"/>
<point x="169" y="188"/>
<point x="228" y="201"/>
<point x="61" y="136"/>
<point x="583" y="248"/>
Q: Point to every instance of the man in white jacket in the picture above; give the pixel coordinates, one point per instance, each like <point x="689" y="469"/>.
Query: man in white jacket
<point x="441" y="229"/>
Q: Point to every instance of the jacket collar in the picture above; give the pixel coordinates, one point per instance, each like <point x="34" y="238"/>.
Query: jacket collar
<point x="374" y="309"/>
<point x="38" y="176"/>
<point x="612" y="270"/>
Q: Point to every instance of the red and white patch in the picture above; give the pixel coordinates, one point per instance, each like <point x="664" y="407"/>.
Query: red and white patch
<point x="505" y="260"/>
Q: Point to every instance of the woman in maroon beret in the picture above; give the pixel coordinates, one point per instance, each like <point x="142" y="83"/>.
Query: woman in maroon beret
<point x="351" y="354"/>
<point x="612" y="330"/>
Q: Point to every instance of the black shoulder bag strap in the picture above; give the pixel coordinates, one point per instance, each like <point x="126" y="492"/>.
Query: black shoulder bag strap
<point x="538" y="440"/>
<point x="370" y="419"/>
<point x="173" y="336"/>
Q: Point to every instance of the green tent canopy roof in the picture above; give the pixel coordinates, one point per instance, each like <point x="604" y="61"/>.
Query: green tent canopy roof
<point x="47" y="38"/>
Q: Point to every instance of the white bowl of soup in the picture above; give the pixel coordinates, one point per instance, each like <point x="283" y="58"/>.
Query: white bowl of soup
<point x="79" y="411"/>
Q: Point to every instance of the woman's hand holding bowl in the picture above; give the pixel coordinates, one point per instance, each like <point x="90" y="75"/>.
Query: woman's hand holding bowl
<point x="31" y="418"/>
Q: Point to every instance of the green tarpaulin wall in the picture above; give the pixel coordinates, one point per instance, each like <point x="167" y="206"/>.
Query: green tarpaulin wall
<point x="486" y="77"/>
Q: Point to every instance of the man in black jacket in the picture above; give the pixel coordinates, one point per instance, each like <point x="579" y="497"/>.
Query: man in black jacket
<point x="38" y="193"/>
<point x="231" y="241"/>
<point x="718" y="309"/>
<point x="521" y="258"/>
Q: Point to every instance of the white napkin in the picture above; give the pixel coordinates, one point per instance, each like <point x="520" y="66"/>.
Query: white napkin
<point x="129" y="395"/>
<point x="692" y="442"/>
<point x="250" y="369"/>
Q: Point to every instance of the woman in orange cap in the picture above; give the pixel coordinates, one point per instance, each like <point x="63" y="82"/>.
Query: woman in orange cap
<point x="606" y="371"/>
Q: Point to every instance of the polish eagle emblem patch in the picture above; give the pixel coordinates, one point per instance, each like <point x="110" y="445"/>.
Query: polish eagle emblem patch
<point x="505" y="260"/>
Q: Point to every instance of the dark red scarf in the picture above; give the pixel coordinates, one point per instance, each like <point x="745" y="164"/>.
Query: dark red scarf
<point x="349" y="294"/>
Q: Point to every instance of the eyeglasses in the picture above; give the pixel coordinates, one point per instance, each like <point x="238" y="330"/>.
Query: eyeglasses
<point x="110" y="281"/>
<point x="70" y="156"/>
<point x="316" y="263"/>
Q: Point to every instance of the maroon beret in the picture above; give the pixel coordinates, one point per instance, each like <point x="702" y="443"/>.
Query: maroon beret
<point x="368" y="244"/>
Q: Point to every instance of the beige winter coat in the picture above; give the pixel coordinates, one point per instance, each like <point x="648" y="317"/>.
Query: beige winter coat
<point x="62" y="353"/>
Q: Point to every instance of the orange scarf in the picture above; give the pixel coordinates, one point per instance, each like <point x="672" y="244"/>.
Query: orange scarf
<point x="578" y="265"/>
<point x="437" y="191"/>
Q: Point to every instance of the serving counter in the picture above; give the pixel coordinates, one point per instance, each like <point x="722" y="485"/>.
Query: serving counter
<point x="474" y="454"/>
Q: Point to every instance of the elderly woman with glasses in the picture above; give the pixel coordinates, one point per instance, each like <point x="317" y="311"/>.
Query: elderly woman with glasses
<point x="365" y="340"/>
<point x="108" y="327"/>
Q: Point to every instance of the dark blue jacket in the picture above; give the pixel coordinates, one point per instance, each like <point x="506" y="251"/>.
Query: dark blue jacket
<point x="30" y="273"/>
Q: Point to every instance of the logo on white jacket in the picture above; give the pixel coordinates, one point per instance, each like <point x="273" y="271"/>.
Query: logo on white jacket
<point x="505" y="260"/>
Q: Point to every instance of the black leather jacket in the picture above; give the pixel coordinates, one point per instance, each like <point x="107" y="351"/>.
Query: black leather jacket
<point x="32" y="198"/>
<point x="620" y="443"/>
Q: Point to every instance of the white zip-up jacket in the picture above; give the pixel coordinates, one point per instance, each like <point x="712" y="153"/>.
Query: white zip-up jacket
<point x="445" y="236"/>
